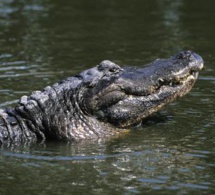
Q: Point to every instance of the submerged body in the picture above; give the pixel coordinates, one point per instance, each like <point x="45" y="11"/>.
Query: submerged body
<point x="101" y="101"/>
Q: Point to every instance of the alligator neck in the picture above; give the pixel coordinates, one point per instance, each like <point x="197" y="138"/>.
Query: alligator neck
<point x="53" y="114"/>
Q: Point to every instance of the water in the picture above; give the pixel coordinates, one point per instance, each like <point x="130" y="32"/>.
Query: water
<point x="44" y="41"/>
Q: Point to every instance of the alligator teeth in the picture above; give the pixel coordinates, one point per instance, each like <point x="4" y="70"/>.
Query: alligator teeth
<point x="160" y="80"/>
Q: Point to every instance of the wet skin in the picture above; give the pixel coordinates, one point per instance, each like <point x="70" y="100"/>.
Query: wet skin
<point x="101" y="101"/>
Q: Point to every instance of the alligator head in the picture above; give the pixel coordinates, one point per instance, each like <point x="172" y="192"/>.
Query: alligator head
<point x="125" y="96"/>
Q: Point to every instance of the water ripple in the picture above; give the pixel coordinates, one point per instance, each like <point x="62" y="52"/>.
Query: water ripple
<point x="60" y="158"/>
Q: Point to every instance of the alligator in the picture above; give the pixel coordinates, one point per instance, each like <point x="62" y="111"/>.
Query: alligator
<point x="101" y="101"/>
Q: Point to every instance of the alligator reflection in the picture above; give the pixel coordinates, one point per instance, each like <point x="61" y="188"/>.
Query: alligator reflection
<point x="142" y="158"/>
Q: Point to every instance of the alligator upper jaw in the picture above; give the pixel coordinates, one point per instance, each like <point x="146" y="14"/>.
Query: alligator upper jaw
<point x="176" y="84"/>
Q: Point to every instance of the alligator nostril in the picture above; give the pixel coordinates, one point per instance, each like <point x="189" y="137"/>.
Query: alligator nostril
<point x="179" y="56"/>
<point x="184" y="55"/>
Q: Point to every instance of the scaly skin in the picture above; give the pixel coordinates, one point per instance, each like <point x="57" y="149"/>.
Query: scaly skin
<point x="99" y="102"/>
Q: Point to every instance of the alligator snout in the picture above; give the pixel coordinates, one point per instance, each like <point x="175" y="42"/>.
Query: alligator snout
<point x="195" y="60"/>
<point x="184" y="55"/>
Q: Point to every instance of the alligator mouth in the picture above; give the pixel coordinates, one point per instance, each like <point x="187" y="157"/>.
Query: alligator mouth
<point x="167" y="92"/>
<point x="172" y="85"/>
<point x="178" y="80"/>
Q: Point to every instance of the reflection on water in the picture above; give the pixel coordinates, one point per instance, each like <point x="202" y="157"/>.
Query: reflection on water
<point x="128" y="163"/>
<point x="44" y="41"/>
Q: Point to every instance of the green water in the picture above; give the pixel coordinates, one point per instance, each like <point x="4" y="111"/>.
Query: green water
<point x="44" y="41"/>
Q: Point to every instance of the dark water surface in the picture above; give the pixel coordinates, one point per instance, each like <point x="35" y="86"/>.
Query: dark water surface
<point x="45" y="41"/>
